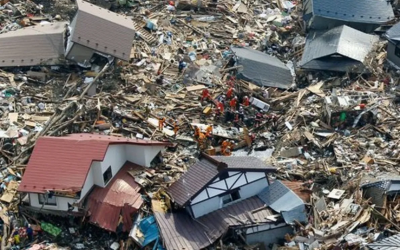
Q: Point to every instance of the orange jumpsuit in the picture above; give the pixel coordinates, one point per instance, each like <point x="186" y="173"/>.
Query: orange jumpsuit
<point x="176" y="128"/>
<point x="161" y="123"/>
<point x="229" y="94"/>
<point x="209" y="130"/>
<point x="232" y="103"/>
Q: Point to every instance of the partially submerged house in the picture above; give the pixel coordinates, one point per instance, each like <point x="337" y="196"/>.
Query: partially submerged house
<point x="42" y="44"/>
<point x="262" y="69"/>
<point x="340" y="49"/>
<point x="63" y="172"/>
<point x="222" y="193"/>
<point x="364" y="15"/>
<point x="98" y="30"/>
<point x="393" y="47"/>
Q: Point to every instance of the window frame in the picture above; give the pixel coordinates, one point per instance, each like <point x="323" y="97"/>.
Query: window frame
<point x="109" y="169"/>
<point x="42" y="198"/>
<point x="231" y="197"/>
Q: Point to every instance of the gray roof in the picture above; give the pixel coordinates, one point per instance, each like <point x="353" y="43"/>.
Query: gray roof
<point x="206" y="170"/>
<point x="103" y="30"/>
<point x="34" y="45"/>
<point x="180" y="231"/>
<point x="394" y="32"/>
<point x="366" y="11"/>
<point x="390" y="243"/>
<point x="283" y="200"/>
<point x="343" y="46"/>
<point x="262" y="69"/>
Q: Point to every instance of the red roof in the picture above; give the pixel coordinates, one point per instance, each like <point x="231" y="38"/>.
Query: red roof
<point x="120" y="197"/>
<point x="62" y="163"/>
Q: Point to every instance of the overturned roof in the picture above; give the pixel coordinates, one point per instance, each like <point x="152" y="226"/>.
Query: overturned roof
<point x="207" y="169"/>
<point x="103" y="30"/>
<point x="394" y="32"/>
<point x="33" y="45"/>
<point x="337" y="49"/>
<point x="120" y="197"/>
<point x="366" y="11"/>
<point x="62" y="163"/>
<point x="283" y="200"/>
<point x="262" y="69"/>
<point x="389" y="243"/>
<point x="180" y="231"/>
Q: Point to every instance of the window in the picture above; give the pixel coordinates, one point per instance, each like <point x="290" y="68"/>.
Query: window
<point x="107" y="175"/>
<point x="230" y="197"/>
<point x="397" y="51"/>
<point x="47" y="199"/>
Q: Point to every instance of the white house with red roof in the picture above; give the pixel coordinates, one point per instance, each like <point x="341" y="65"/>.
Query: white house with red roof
<point x="62" y="171"/>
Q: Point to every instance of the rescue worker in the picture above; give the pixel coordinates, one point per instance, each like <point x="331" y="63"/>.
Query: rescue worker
<point x="231" y="81"/>
<point x="176" y="128"/>
<point x="221" y="106"/>
<point x="196" y="132"/>
<point x="205" y="95"/>
<point x="225" y="144"/>
<point x="161" y="122"/>
<point x="227" y="151"/>
<point x="246" y="137"/>
<point x="259" y="118"/>
<point x="221" y="98"/>
<point x="217" y="112"/>
<point x="201" y="139"/>
<point x="233" y="103"/>
<point x="209" y="131"/>
<point x="229" y="93"/>
<point x="246" y="101"/>
<point x="236" y="120"/>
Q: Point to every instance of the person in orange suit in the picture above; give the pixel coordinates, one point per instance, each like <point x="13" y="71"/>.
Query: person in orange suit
<point x="225" y="144"/>
<point x="161" y="122"/>
<point x="229" y="93"/>
<point x="233" y="103"/>
<point x="246" y="101"/>
<point x="176" y="128"/>
<point x="209" y="131"/>
<point x="205" y="95"/>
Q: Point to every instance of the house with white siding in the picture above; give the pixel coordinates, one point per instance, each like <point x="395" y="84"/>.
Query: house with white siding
<point x="62" y="171"/>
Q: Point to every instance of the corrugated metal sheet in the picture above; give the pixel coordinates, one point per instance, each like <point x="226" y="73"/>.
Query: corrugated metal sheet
<point x="281" y="199"/>
<point x="179" y="231"/>
<point x="262" y="69"/>
<point x="34" y="45"/>
<point x="103" y="30"/>
<point x="120" y="197"/>
<point x="62" y="163"/>
<point x="205" y="170"/>
<point x="351" y="44"/>
<point x="390" y="243"/>
<point x="366" y="11"/>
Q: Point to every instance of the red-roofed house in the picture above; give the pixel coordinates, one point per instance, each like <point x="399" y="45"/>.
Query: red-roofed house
<point x="63" y="170"/>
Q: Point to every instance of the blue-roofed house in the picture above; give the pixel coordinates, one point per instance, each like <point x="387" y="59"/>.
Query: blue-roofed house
<point x="393" y="47"/>
<point x="366" y="15"/>
<point x="340" y="49"/>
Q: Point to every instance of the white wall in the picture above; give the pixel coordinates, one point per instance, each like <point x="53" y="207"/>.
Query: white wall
<point x="89" y="182"/>
<point x="97" y="173"/>
<point x="62" y="203"/>
<point x="141" y="155"/>
<point x="253" y="188"/>
<point x="206" y="206"/>
<point x="115" y="157"/>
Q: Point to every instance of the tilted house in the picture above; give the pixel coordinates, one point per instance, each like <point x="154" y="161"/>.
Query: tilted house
<point x="221" y="193"/>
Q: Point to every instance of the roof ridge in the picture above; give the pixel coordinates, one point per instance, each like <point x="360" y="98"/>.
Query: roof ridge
<point x="219" y="164"/>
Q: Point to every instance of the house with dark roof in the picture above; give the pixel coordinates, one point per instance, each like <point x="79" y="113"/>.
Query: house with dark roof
<point x="218" y="194"/>
<point x="340" y="49"/>
<point x="366" y="15"/>
<point x="393" y="47"/>
<point x="65" y="172"/>
<point x="98" y="30"/>
<point x="262" y="69"/>
<point x="34" y="45"/>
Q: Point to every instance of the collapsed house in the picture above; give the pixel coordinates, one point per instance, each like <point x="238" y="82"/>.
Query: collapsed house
<point x="64" y="172"/>
<point x="42" y="44"/>
<point x="365" y="16"/>
<point x="393" y="47"/>
<point x="98" y="30"/>
<point x="341" y="49"/>
<point x="221" y="193"/>
<point x="262" y="69"/>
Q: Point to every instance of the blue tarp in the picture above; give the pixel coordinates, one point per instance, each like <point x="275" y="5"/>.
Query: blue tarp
<point x="149" y="229"/>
